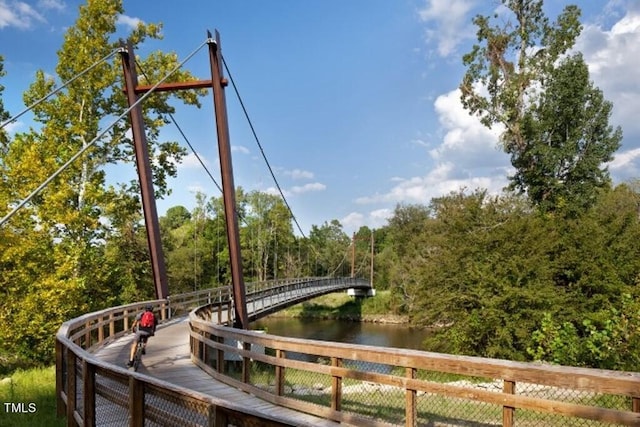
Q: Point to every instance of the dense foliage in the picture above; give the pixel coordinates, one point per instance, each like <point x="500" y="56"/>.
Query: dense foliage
<point x="488" y="272"/>
<point x="548" y="272"/>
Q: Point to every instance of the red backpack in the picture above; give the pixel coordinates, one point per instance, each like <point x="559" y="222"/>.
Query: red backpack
<point x="148" y="320"/>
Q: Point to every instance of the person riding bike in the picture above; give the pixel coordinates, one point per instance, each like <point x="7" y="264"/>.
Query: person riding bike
<point x="146" y="323"/>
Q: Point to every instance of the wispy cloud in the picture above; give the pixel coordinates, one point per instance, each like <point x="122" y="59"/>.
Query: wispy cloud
<point x="240" y="149"/>
<point x="51" y="5"/>
<point x="19" y="15"/>
<point x="613" y="56"/>
<point x="190" y="161"/>
<point x="298" y="174"/>
<point x="128" y="21"/>
<point x="298" y="189"/>
<point x="448" y="23"/>
<point x="315" y="186"/>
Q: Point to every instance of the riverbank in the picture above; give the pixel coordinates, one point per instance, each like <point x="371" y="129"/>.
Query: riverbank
<point x="340" y="306"/>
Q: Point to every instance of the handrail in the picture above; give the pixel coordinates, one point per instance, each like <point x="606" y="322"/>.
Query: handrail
<point x="83" y="382"/>
<point x="502" y="389"/>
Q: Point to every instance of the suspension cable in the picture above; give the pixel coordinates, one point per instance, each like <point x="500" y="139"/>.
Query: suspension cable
<point x="100" y="135"/>
<point x="67" y="83"/>
<point x="344" y="258"/>
<point x="193" y="150"/>
<point x="264" y="156"/>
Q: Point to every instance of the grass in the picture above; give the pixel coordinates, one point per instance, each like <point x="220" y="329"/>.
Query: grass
<point x="33" y="395"/>
<point x="341" y="306"/>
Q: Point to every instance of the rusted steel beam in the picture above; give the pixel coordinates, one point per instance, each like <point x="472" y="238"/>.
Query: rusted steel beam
<point x="241" y="319"/>
<point x="145" y="176"/>
<point x="169" y="87"/>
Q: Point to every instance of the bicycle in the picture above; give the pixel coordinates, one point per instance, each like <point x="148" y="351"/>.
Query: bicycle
<point x="140" y="350"/>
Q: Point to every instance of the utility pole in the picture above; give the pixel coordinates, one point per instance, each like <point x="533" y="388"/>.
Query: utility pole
<point x="228" y="187"/>
<point x="144" y="174"/>
<point x="371" y="277"/>
<point x="353" y="255"/>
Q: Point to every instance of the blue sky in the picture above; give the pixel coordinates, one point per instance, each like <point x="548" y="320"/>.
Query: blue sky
<point x="355" y="102"/>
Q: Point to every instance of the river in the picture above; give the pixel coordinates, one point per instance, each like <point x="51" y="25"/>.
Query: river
<point x="376" y="334"/>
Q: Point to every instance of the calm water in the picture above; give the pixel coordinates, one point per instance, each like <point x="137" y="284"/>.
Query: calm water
<point x="381" y="335"/>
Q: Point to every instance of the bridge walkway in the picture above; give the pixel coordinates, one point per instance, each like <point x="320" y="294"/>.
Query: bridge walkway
<point x="168" y="358"/>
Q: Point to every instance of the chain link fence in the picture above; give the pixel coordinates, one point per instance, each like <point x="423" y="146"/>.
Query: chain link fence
<point x="367" y="390"/>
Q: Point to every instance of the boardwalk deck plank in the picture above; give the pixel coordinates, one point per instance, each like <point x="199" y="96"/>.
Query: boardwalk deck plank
<point x="168" y="359"/>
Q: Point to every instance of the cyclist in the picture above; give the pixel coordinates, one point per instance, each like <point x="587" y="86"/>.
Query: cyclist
<point x="146" y="323"/>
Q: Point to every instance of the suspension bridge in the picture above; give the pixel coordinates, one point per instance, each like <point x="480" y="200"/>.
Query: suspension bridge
<point x="206" y="367"/>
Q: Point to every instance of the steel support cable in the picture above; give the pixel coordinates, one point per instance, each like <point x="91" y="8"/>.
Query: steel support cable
<point x="97" y="138"/>
<point x="344" y="258"/>
<point x="193" y="150"/>
<point x="264" y="156"/>
<point x="67" y="83"/>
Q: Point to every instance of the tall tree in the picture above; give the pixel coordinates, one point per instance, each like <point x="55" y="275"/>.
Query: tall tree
<point x="60" y="235"/>
<point x="567" y="139"/>
<point x="4" y="115"/>
<point x="329" y="246"/>
<point x="268" y="233"/>
<point x="512" y="64"/>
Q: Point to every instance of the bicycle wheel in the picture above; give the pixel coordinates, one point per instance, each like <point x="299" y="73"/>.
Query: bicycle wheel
<point x="138" y="356"/>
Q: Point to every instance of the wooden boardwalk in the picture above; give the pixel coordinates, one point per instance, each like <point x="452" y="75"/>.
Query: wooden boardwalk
<point x="168" y="359"/>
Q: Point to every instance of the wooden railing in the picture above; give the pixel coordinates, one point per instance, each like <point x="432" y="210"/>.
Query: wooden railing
<point x="92" y="392"/>
<point x="373" y="386"/>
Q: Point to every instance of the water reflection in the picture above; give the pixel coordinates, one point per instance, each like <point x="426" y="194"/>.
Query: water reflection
<point x="376" y="334"/>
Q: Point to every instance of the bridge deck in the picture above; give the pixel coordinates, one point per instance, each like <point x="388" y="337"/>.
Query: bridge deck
<point x="168" y="359"/>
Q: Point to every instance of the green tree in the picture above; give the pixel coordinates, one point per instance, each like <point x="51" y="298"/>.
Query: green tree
<point x="268" y="234"/>
<point x="4" y="115"/>
<point x="515" y="63"/>
<point x="175" y="217"/>
<point x="567" y="139"/>
<point x="58" y="240"/>
<point x="329" y="247"/>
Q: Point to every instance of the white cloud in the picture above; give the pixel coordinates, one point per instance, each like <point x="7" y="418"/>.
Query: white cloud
<point x="12" y="127"/>
<point x="190" y="161"/>
<point x="467" y="142"/>
<point x="374" y="219"/>
<point x="315" y="186"/>
<point x="624" y="163"/>
<point x="298" y="174"/>
<point x="467" y="157"/>
<point x="51" y="4"/>
<point x="353" y="221"/>
<point x="239" y="149"/>
<point x="451" y="24"/>
<point x="296" y="190"/>
<point x="128" y="21"/>
<point x="19" y="15"/>
<point x="613" y="57"/>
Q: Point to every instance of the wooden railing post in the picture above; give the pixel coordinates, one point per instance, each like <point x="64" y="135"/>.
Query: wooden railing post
<point x="217" y="417"/>
<point x="89" y="393"/>
<point x="220" y="356"/>
<point x="100" y="329"/>
<point x="112" y="326"/>
<point x="60" y="387"/>
<point x="508" y="411"/>
<point x="635" y="404"/>
<point x="246" y="364"/>
<point x="136" y="402"/>
<point x="125" y="320"/>
<point x="411" y="410"/>
<point x="163" y="312"/>
<point x="87" y="334"/>
<point x="71" y="387"/>
<point x="280" y="354"/>
<point x="336" y="386"/>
